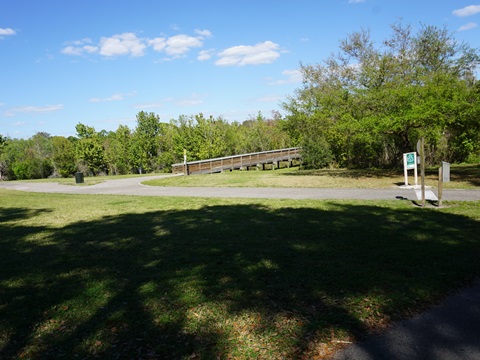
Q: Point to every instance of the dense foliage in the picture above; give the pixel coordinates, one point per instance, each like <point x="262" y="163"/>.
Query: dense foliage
<point x="368" y="104"/>
<point x="152" y="146"/>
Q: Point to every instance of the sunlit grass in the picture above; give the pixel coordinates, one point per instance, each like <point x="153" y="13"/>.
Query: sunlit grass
<point x="462" y="177"/>
<point x="91" y="180"/>
<point x="151" y="277"/>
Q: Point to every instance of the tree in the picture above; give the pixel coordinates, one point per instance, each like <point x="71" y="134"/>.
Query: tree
<point x="41" y="149"/>
<point x="371" y="103"/>
<point x="20" y="160"/>
<point x="118" y="151"/>
<point x="146" y="141"/>
<point x="63" y="156"/>
<point x="89" y="150"/>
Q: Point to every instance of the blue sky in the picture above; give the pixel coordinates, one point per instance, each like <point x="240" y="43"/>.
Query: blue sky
<point x="100" y="62"/>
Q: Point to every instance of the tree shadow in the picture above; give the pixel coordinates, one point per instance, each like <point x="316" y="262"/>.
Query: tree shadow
<point x="467" y="173"/>
<point x="222" y="281"/>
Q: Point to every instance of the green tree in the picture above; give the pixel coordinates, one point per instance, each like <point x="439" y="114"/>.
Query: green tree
<point x="41" y="150"/>
<point x="20" y="160"/>
<point x="209" y="133"/>
<point x="89" y="150"/>
<point x="63" y="156"/>
<point x="146" y="141"/>
<point x="371" y="103"/>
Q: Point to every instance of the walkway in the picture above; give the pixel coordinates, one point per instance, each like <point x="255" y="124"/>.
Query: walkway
<point x="133" y="186"/>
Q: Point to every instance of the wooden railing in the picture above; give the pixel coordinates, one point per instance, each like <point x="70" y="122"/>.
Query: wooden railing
<point x="235" y="162"/>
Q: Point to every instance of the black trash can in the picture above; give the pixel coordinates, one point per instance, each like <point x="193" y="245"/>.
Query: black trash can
<point x="79" y="178"/>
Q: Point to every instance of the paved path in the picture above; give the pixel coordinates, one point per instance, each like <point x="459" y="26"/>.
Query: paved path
<point x="450" y="331"/>
<point x="133" y="186"/>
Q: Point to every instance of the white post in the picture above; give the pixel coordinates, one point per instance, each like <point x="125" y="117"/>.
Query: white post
<point x="405" y="171"/>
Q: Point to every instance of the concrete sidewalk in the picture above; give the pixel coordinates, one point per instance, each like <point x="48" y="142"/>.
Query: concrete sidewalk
<point x="133" y="186"/>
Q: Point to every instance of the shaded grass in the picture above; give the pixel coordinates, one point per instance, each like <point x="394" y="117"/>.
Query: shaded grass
<point x="462" y="177"/>
<point x="140" y="277"/>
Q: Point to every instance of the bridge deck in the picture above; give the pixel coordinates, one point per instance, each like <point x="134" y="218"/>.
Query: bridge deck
<point x="237" y="162"/>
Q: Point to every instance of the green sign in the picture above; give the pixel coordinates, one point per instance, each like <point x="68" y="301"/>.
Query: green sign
<point x="410" y="157"/>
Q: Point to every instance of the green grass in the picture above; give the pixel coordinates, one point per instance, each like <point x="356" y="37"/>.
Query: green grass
<point x="150" y="277"/>
<point x="88" y="180"/>
<point x="462" y="177"/>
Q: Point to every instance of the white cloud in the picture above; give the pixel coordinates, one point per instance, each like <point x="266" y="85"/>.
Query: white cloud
<point x="7" y="32"/>
<point x="205" y="55"/>
<point x="79" y="47"/>
<point x="467" y="11"/>
<point x="179" y="45"/>
<point x="122" y="44"/>
<point x="204" y="33"/>
<point x="158" y="44"/>
<point x="194" y="99"/>
<point x="356" y="1"/>
<point x="79" y="50"/>
<point x="129" y="44"/>
<point x="148" y="105"/>
<point x="33" y="109"/>
<point x="469" y="26"/>
<point x="261" y="53"/>
<point x="291" y="77"/>
<point x="114" y="97"/>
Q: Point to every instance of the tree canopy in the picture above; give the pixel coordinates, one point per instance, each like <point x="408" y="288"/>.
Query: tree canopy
<point x="368" y="103"/>
<point x="151" y="146"/>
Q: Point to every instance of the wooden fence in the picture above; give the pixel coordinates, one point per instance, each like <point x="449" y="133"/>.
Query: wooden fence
<point x="236" y="162"/>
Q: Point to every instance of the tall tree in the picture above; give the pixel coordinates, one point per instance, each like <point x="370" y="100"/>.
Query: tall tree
<point x="146" y="141"/>
<point x="367" y="104"/>
<point x="89" y="150"/>
<point x="63" y="156"/>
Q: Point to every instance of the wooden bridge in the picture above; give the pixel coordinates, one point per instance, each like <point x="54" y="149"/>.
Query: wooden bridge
<point x="239" y="162"/>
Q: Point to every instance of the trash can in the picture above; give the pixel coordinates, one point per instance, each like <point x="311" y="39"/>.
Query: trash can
<point x="79" y="178"/>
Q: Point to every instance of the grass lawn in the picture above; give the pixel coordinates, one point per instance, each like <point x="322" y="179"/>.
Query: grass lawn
<point x="190" y="278"/>
<point x="89" y="180"/>
<point x="462" y="177"/>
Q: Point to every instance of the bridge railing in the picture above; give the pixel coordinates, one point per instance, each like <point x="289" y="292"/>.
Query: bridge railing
<point x="237" y="161"/>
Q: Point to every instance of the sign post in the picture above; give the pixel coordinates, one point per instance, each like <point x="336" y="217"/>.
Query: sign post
<point x="410" y="163"/>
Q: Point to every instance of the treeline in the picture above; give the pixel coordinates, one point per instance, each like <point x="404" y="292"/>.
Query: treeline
<point x="152" y="146"/>
<point x="370" y="102"/>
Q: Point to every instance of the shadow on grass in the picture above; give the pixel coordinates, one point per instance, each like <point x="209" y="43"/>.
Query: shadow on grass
<point x="467" y="173"/>
<point x="223" y="281"/>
